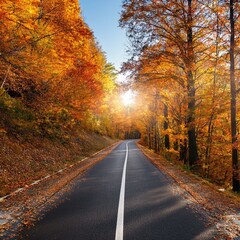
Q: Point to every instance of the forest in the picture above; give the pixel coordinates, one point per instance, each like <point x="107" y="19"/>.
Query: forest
<point x="186" y="54"/>
<point x="52" y="69"/>
<point x="184" y="62"/>
<point x="57" y="90"/>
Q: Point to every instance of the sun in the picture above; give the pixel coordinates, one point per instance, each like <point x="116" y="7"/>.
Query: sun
<point x="128" y="98"/>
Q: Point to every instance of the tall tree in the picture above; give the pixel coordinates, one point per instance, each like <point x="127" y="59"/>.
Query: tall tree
<point x="235" y="179"/>
<point x="171" y="31"/>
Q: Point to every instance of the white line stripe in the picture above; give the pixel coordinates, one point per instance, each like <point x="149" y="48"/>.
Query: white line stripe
<point x="120" y="217"/>
<point x="134" y="149"/>
<point x="36" y="182"/>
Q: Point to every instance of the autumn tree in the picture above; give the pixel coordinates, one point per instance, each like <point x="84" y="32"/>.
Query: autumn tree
<point x="225" y="47"/>
<point x="235" y="164"/>
<point x="172" y="30"/>
<point x="51" y="62"/>
<point x="183" y="48"/>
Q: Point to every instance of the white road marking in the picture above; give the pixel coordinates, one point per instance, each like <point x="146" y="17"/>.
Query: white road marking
<point x="36" y="182"/>
<point x="19" y="190"/>
<point x="120" y="216"/>
<point x="134" y="149"/>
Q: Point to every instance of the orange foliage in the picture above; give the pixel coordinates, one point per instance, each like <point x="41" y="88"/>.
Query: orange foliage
<point x="180" y="64"/>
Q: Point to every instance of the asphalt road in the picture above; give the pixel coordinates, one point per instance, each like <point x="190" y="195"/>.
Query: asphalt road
<point x="107" y="203"/>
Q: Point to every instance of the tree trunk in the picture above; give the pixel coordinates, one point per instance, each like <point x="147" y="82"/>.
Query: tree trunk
<point x="213" y="110"/>
<point x="192" y="142"/>
<point x="155" y="136"/>
<point x="5" y="78"/>
<point x="165" y="126"/>
<point x="183" y="151"/>
<point x="235" y="175"/>
<point x="149" y="136"/>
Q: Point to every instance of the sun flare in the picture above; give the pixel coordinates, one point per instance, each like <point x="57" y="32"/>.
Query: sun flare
<point x="128" y="98"/>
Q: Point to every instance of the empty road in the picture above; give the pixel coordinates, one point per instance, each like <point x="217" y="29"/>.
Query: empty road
<point x="122" y="197"/>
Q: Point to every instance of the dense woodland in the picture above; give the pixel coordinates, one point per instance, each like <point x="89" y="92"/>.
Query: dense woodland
<point x="58" y="94"/>
<point x="184" y="67"/>
<point x="53" y="72"/>
<point x="185" y="62"/>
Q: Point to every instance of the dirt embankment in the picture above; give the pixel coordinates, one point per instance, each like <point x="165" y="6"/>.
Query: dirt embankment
<point x="24" y="160"/>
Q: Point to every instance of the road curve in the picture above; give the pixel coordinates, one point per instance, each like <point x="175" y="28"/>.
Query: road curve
<point x="101" y="199"/>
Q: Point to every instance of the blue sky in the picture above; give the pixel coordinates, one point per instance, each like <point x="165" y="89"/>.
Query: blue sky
<point x="102" y="17"/>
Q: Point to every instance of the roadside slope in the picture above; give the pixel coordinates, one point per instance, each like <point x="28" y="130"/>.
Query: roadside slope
<point x="24" y="160"/>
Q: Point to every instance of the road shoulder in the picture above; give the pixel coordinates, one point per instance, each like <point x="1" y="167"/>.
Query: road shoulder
<point x="221" y="208"/>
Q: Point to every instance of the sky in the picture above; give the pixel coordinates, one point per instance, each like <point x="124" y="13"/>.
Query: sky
<point x="102" y="17"/>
